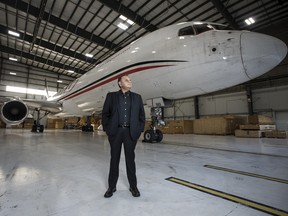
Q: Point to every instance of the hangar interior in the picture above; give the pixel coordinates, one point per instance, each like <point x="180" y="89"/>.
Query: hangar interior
<point x="53" y="44"/>
<point x="59" y="41"/>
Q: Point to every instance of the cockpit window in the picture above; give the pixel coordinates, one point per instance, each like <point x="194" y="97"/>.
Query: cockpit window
<point x="202" y="28"/>
<point x="222" y="27"/>
<point x="186" y="31"/>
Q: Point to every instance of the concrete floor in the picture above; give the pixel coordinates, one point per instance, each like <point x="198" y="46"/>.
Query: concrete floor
<point x="64" y="173"/>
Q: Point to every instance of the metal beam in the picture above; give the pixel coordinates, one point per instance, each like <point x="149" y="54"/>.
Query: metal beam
<point x="223" y="10"/>
<point x="50" y="46"/>
<point x="38" y="23"/>
<point x="27" y="8"/>
<point x="120" y="8"/>
<point x="38" y="59"/>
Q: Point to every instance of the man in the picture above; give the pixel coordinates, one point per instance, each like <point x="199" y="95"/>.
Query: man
<point x="123" y="120"/>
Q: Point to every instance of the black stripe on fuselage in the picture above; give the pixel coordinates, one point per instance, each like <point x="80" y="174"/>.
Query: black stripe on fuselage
<point x="117" y="71"/>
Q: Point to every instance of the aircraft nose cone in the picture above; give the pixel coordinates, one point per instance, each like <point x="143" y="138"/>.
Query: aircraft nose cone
<point x="260" y="53"/>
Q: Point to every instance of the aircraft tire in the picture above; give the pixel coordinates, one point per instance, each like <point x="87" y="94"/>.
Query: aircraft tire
<point x="87" y="128"/>
<point x="159" y="135"/>
<point x="41" y="128"/>
<point x="34" y="128"/>
<point x="37" y="128"/>
<point x="149" y="136"/>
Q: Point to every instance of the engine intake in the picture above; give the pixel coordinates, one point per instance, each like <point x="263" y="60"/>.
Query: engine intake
<point x="14" y="112"/>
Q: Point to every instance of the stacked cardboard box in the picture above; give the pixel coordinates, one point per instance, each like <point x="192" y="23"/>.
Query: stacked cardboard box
<point x="59" y="123"/>
<point x="51" y="123"/>
<point x="218" y="125"/>
<point x="276" y="134"/>
<point x="249" y="133"/>
<point x="260" y="119"/>
<point x="256" y="127"/>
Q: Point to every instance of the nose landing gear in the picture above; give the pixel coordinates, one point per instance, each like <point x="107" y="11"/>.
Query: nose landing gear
<point x="153" y="134"/>
<point x="37" y="127"/>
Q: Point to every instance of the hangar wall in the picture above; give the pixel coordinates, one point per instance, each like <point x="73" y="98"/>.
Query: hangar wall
<point x="271" y="102"/>
<point x="28" y="77"/>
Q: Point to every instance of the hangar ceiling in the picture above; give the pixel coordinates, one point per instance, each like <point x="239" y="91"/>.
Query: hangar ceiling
<point x="57" y="35"/>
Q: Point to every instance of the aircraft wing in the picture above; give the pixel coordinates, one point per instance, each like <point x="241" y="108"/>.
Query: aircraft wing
<point x="50" y="106"/>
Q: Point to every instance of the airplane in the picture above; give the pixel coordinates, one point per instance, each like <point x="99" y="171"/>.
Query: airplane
<point x="178" y="61"/>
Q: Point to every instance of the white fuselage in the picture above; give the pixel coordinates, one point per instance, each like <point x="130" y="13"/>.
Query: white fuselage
<point x="164" y="64"/>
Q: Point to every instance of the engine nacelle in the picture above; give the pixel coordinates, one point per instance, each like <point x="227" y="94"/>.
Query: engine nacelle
<point x="14" y="112"/>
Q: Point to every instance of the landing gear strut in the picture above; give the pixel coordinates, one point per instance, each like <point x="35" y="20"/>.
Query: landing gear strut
<point x="153" y="134"/>
<point x="88" y="127"/>
<point x="36" y="127"/>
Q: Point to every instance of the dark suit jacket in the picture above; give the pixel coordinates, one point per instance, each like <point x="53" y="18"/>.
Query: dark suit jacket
<point x="110" y="114"/>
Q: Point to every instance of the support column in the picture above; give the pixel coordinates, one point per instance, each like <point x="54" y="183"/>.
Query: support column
<point x="196" y="107"/>
<point x="249" y="100"/>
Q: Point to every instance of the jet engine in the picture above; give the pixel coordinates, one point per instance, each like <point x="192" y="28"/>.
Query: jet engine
<point x="14" y="112"/>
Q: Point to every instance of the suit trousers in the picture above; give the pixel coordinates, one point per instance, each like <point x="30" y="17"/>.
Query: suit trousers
<point x="122" y="136"/>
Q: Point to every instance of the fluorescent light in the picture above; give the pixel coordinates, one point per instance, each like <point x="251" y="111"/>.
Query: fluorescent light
<point x="250" y="21"/>
<point x="13" y="33"/>
<point x="89" y="55"/>
<point x="13" y="59"/>
<point x="130" y="22"/>
<point x="122" y="26"/>
<point x="70" y="71"/>
<point x="126" y="20"/>
<point x="12" y="73"/>
<point x="123" y="17"/>
<point x="28" y="91"/>
<point x="59" y="81"/>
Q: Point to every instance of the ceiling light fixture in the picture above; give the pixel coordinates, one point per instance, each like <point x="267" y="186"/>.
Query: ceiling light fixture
<point x="59" y="81"/>
<point x="126" y="21"/>
<point x="122" y="26"/>
<point x="250" y="21"/>
<point x="13" y="59"/>
<point x="70" y="71"/>
<point x="88" y="55"/>
<point x="130" y="22"/>
<point x="13" y="33"/>
<point x="123" y="17"/>
<point x="12" y="73"/>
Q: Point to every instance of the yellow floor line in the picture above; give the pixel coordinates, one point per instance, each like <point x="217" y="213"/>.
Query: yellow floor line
<point x="248" y="174"/>
<point x="252" y="204"/>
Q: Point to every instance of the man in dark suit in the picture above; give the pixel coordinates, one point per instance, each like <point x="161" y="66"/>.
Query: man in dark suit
<point x="123" y="120"/>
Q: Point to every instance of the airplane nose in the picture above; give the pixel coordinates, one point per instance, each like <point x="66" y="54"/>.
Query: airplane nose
<point x="260" y="53"/>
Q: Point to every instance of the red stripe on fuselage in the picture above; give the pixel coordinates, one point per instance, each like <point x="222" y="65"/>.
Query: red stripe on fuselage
<point x="114" y="78"/>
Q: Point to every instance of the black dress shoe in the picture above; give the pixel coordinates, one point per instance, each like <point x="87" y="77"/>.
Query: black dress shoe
<point x="109" y="192"/>
<point x="135" y="192"/>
